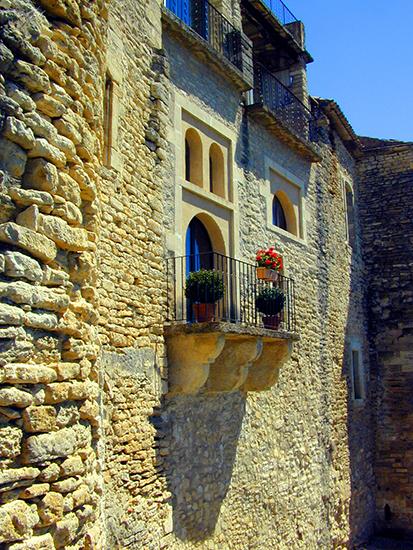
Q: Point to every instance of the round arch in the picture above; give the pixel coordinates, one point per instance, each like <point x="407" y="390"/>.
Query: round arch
<point x="193" y="157"/>
<point x="216" y="170"/>
<point x="288" y="210"/>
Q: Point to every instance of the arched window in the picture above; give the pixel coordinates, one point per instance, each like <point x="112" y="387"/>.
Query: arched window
<point x="198" y="246"/>
<point x="193" y="157"/>
<point x="278" y="215"/>
<point x="216" y="170"/>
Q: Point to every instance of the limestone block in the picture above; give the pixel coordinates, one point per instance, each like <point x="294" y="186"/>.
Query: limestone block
<point x="65" y="128"/>
<point x="13" y="397"/>
<point x="68" y="188"/>
<point x="10" y="440"/>
<point x="6" y="58"/>
<point x="67" y="485"/>
<point x="20" y="97"/>
<point x="51" y="51"/>
<point x="41" y="175"/>
<point x="51" y="508"/>
<point x="34" y="491"/>
<point x="10" y="315"/>
<point x="64" y="391"/>
<point x="27" y="197"/>
<point x="90" y="411"/>
<point x="17" y="520"/>
<point x="44" y="149"/>
<point x="54" y="277"/>
<point x="39" y="419"/>
<point x="45" y="321"/>
<point x="49" y="106"/>
<point x="7" y="208"/>
<point x="43" y="542"/>
<point x="21" y="292"/>
<point x="21" y="265"/>
<point x="87" y="187"/>
<point x="69" y="212"/>
<point x="38" y="245"/>
<point x="67" y="371"/>
<point x="12" y="475"/>
<point x="66" y="147"/>
<point x="59" y="94"/>
<point x="26" y="373"/>
<point x="40" y="126"/>
<point x="65" y="236"/>
<point x="66" y="9"/>
<point x="12" y="158"/>
<point x="50" y="473"/>
<point x="72" y="466"/>
<point x="81" y="496"/>
<point x="17" y="42"/>
<point x="65" y="442"/>
<point x="9" y="107"/>
<point x="29" y="218"/>
<point x="54" y="72"/>
<point x="17" y="132"/>
<point x="31" y="77"/>
<point x="65" y="531"/>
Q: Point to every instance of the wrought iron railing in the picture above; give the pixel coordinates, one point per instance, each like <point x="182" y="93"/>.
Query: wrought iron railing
<point x="212" y="26"/>
<point x="233" y="295"/>
<point x="280" y="10"/>
<point x="273" y="94"/>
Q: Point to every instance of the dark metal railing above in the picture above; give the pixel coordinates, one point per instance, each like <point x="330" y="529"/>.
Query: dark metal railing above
<point x="280" y="10"/>
<point x="287" y="107"/>
<point x="241" y="289"/>
<point x="212" y="26"/>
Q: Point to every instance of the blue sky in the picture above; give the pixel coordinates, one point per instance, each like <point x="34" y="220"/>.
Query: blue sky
<point x="363" y="58"/>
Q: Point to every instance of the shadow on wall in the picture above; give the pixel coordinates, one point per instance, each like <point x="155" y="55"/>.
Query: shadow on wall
<point x="198" y="444"/>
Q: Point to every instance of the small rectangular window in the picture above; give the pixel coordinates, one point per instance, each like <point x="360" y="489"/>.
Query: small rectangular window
<point x="107" y="121"/>
<point x="357" y="375"/>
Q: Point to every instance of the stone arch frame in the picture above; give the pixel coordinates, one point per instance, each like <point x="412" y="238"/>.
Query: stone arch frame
<point x="214" y="232"/>
<point x="193" y="161"/>
<point x="217" y="170"/>
<point x="288" y="209"/>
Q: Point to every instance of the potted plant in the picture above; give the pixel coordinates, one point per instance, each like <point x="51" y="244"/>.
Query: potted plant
<point x="203" y="289"/>
<point x="269" y="264"/>
<point x="270" y="302"/>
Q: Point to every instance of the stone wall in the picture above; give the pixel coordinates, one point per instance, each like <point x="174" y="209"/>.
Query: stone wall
<point x="386" y="197"/>
<point x="51" y="125"/>
<point x="292" y="466"/>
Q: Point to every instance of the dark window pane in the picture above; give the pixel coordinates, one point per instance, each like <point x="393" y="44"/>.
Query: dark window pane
<point x="278" y="216"/>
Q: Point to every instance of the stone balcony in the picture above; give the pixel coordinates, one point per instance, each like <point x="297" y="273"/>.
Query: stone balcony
<point x="234" y="349"/>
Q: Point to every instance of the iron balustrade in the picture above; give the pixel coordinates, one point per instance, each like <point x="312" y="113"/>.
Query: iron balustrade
<point x="273" y="94"/>
<point x="280" y="10"/>
<point x="241" y="288"/>
<point x="212" y="26"/>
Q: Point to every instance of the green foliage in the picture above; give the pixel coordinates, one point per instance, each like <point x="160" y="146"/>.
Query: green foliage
<point x="270" y="300"/>
<point x="204" y="286"/>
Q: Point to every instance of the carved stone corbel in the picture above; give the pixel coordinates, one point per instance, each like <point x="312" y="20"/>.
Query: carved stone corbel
<point x="264" y="372"/>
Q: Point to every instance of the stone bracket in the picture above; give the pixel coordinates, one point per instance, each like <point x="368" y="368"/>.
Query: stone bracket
<point x="224" y="362"/>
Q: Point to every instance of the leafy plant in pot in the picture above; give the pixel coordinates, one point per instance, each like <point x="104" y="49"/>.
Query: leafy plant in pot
<point x="203" y="289"/>
<point x="270" y="302"/>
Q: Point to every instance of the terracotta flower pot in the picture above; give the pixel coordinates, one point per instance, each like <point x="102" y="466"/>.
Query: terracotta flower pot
<point x="271" y="321"/>
<point x="204" y="313"/>
<point x="266" y="274"/>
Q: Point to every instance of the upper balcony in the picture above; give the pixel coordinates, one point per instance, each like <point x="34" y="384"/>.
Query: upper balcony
<point x="277" y="36"/>
<point x="275" y="106"/>
<point x="227" y="329"/>
<point x="211" y="37"/>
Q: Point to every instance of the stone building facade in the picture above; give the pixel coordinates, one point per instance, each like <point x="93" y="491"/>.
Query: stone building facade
<point x="133" y="135"/>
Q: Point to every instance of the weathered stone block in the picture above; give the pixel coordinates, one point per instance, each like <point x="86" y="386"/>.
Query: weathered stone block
<point x="20" y="96"/>
<point x="44" y="447"/>
<point x="69" y="212"/>
<point x="49" y="106"/>
<point x="17" y="520"/>
<point x="41" y="175"/>
<point x="66" y="531"/>
<point x="10" y="440"/>
<point x="7" y="208"/>
<point x="20" y="265"/>
<point x="13" y="397"/>
<point x="21" y="292"/>
<point x="66" y="9"/>
<point x="65" y="236"/>
<point x="26" y="373"/>
<point x="43" y="542"/>
<point x="51" y="508"/>
<point x="27" y="197"/>
<point x="72" y="466"/>
<point x="17" y="132"/>
<point x="12" y="475"/>
<point x="34" y="491"/>
<point x="39" y="419"/>
<point x="31" y="77"/>
<point x="11" y="315"/>
<point x="68" y="188"/>
<point x="12" y="158"/>
<point x="40" y="246"/>
<point x="44" y="149"/>
<point x="45" y="321"/>
<point x="40" y="126"/>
